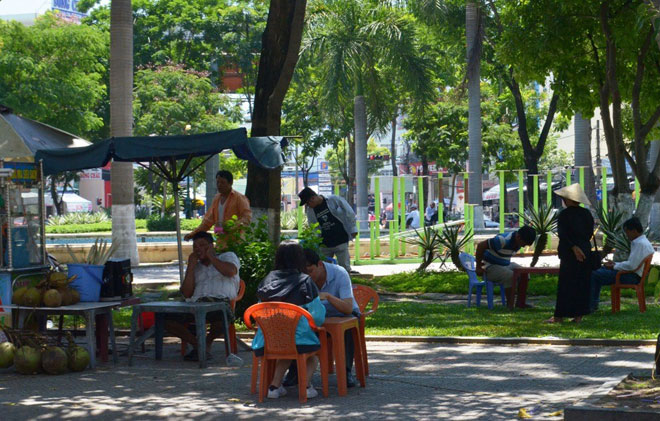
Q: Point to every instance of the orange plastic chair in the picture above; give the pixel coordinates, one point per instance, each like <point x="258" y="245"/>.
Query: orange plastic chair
<point x="233" y="343"/>
<point x="278" y="322"/>
<point x="363" y="295"/>
<point x="617" y="286"/>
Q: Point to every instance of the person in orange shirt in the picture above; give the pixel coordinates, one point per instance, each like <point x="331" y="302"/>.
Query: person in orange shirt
<point x="227" y="203"/>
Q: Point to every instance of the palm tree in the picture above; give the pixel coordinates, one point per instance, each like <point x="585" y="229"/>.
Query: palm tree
<point x="474" y="38"/>
<point x="121" y="124"/>
<point x="362" y="46"/>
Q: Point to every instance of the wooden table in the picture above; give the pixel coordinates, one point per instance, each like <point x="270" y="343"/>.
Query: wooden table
<point x="336" y="327"/>
<point x="90" y="311"/>
<point x="160" y="308"/>
<point x="521" y="280"/>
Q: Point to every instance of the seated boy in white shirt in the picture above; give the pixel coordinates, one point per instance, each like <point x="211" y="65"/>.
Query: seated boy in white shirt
<point x="640" y="249"/>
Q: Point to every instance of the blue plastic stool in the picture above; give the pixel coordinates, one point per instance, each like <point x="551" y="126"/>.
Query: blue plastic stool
<point x="468" y="262"/>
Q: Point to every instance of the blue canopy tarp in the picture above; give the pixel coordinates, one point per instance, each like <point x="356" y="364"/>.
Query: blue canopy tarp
<point x="263" y="151"/>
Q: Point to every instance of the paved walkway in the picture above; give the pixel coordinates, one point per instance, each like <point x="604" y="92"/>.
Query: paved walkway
<point x="408" y="381"/>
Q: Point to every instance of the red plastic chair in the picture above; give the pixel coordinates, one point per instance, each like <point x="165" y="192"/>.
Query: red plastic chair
<point x="363" y="295"/>
<point x="617" y="286"/>
<point x="233" y="343"/>
<point x="278" y="322"/>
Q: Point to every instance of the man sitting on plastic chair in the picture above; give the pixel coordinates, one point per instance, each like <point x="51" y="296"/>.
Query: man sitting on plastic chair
<point x="209" y="277"/>
<point x="493" y="256"/>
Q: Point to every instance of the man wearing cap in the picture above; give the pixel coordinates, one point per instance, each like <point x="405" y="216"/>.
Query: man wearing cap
<point x="336" y="221"/>
<point x="493" y="257"/>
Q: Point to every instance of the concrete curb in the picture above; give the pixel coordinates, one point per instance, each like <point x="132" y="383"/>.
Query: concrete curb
<point x="588" y="411"/>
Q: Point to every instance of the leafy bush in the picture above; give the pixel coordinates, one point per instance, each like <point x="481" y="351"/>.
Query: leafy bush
<point x="289" y="220"/>
<point x="310" y="238"/>
<point x="77" y="218"/>
<point x="140" y="224"/>
<point x="254" y="250"/>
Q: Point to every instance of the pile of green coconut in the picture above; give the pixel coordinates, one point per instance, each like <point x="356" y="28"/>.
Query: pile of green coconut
<point x="52" y="291"/>
<point x="31" y="353"/>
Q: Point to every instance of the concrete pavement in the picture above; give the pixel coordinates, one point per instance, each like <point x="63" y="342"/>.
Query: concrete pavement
<point x="408" y="381"/>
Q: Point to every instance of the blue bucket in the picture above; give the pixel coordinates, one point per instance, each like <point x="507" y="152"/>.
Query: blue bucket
<point x="88" y="281"/>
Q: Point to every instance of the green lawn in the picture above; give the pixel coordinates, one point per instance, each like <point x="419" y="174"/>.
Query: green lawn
<point x="426" y="318"/>
<point x="436" y="319"/>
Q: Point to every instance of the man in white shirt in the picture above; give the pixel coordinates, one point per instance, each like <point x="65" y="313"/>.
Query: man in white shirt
<point x="412" y="219"/>
<point x="209" y="277"/>
<point x="640" y="249"/>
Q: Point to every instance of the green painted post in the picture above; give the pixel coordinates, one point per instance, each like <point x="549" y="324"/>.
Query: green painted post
<point x="336" y="189"/>
<point x="377" y="211"/>
<point x="420" y="200"/>
<point x="548" y="192"/>
<point x="502" y="199"/>
<point x="441" y="203"/>
<point x="469" y="225"/>
<point x="394" y="243"/>
<point x="604" y="187"/>
<point x="402" y="214"/>
<point x="637" y="191"/>
<point x="372" y="240"/>
<point x="299" y="217"/>
<point x="535" y="181"/>
<point x="521" y="196"/>
<point x="569" y="173"/>
<point x="357" y="244"/>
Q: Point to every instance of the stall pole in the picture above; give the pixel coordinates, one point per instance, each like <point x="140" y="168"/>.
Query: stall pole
<point x="637" y="190"/>
<point x="548" y="190"/>
<point x="420" y="189"/>
<point x="42" y="209"/>
<point x="372" y="240"/>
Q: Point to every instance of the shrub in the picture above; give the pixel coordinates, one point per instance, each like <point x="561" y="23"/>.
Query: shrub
<point x="77" y="218"/>
<point x="168" y="223"/>
<point x="254" y="250"/>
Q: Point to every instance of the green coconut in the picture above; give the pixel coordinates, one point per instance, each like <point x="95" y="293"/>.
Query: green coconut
<point x="17" y="297"/>
<point x="7" y="352"/>
<point x="32" y="297"/>
<point x="52" y="298"/>
<point x="27" y="360"/>
<point x="75" y="296"/>
<point x="54" y="360"/>
<point x="67" y="299"/>
<point x="78" y="357"/>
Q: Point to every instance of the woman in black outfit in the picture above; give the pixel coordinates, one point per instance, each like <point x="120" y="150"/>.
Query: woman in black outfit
<point x="575" y="227"/>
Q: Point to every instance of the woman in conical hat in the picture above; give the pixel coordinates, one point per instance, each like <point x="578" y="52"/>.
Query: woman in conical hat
<point x="575" y="226"/>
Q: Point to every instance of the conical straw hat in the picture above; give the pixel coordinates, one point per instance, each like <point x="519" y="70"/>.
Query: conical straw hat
<point x="573" y="192"/>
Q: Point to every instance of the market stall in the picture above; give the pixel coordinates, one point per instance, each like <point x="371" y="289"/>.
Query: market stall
<point x="22" y="208"/>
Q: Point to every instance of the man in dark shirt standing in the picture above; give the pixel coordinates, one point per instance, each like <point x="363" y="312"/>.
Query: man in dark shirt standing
<point x="336" y="220"/>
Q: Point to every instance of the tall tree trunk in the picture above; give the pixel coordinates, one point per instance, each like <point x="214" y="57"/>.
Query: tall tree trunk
<point x="654" y="217"/>
<point x="393" y="146"/>
<point x="211" y="167"/>
<point x="121" y="124"/>
<point x="582" y="129"/>
<point x="474" y="37"/>
<point x="361" y="178"/>
<point x="280" y="47"/>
